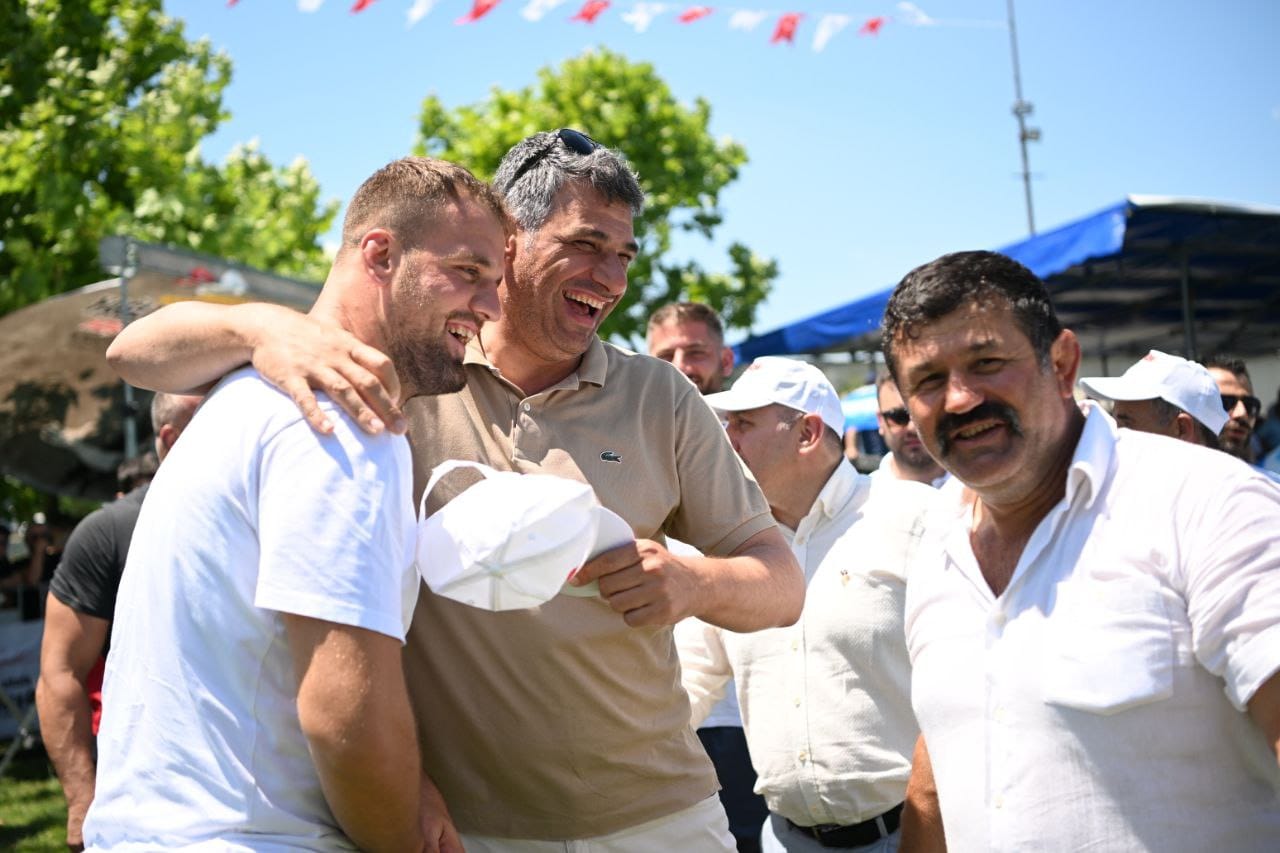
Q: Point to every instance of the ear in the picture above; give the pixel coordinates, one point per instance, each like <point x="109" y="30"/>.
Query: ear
<point x="1064" y="358"/>
<point x="380" y="254"/>
<point x="511" y="247"/>
<point x="812" y="428"/>
<point x="1185" y="428"/>
<point x="726" y="361"/>
<point x="880" y="423"/>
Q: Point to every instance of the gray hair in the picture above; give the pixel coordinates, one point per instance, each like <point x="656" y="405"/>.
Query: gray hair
<point x="544" y="164"/>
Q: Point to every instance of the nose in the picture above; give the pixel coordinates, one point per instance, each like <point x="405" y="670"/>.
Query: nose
<point x="610" y="272"/>
<point x="485" y="303"/>
<point x="1239" y="412"/>
<point x="961" y="397"/>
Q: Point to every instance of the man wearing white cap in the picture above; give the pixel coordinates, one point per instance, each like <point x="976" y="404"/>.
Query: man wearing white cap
<point x="1165" y="395"/>
<point x="825" y="702"/>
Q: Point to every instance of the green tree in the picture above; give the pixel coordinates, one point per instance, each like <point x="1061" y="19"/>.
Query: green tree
<point x="624" y="105"/>
<point x="103" y="104"/>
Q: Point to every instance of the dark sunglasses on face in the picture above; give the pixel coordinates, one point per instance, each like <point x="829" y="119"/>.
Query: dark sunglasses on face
<point x="899" y="416"/>
<point x="1252" y="405"/>
<point x="575" y="140"/>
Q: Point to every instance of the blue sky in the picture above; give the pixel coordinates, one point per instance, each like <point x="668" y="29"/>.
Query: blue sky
<point x="866" y="159"/>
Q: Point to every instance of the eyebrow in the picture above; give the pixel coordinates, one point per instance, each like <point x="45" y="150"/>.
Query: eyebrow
<point x="928" y="367"/>
<point x="467" y="256"/>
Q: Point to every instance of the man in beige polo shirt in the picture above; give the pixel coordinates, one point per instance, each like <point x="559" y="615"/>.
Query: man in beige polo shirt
<point x="565" y="721"/>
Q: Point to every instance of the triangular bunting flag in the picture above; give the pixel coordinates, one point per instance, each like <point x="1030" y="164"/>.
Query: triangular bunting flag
<point x="537" y="9"/>
<point x="872" y="27"/>
<point x="828" y="26"/>
<point x="693" y="13"/>
<point x="915" y="16"/>
<point x="360" y="5"/>
<point x="642" y="14"/>
<point x="786" y="29"/>
<point x="746" y="20"/>
<point x="479" y="9"/>
<point x="418" y="11"/>
<point x="590" y="11"/>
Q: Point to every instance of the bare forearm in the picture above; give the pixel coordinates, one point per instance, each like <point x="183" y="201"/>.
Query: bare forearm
<point x="760" y="586"/>
<point x="66" y="727"/>
<point x="187" y="346"/>
<point x="371" y="779"/>
<point x="354" y="711"/>
<point x="921" y="814"/>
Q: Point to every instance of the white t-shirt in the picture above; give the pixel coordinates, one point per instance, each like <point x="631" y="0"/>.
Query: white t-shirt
<point x="1098" y="702"/>
<point x="251" y="515"/>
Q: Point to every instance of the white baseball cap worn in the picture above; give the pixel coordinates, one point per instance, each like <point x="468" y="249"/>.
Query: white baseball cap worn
<point x="512" y="541"/>
<point x="1158" y="375"/>
<point x="787" y="381"/>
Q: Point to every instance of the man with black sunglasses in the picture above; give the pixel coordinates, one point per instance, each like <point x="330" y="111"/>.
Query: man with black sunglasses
<point x="566" y="721"/>
<point x="907" y="458"/>
<point x="1241" y="406"/>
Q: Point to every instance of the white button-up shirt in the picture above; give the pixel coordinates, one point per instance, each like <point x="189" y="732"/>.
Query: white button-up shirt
<point x="1097" y="703"/>
<point x="826" y="702"/>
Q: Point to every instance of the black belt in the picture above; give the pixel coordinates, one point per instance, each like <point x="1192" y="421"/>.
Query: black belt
<point x="854" y="835"/>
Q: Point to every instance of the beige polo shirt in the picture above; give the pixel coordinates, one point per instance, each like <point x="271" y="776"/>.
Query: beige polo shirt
<point x="560" y="721"/>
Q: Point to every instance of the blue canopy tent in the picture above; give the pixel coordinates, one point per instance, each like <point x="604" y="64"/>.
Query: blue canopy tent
<point x="1182" y="275"/>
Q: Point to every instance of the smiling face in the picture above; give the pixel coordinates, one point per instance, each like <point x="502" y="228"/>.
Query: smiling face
<point x="564" y="279"/>
<point x="444" y="289"/>
<point x="984" y="405"/>
<point x="694" y="350"/>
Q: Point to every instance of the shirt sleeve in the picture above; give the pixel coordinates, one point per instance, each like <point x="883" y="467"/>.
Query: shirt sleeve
<point x="336" y="527"/>
<point x="704" y="665"/>
<point x="720" y="504"/>
<point x="1233" y="584"/>
<point x="88" y="575"/>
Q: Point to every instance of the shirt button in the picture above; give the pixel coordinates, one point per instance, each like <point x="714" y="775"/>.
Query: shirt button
<point x="795" y="645"/>
<point x="802" y="756"/>
<point x="1000" y="715"/>
<point x="526" y="407"/>
<point x="797" y="701"/>
<point x="998" y="802"/>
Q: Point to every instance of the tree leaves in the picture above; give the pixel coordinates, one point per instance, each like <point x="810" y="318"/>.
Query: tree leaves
<point x="103" y="104"/>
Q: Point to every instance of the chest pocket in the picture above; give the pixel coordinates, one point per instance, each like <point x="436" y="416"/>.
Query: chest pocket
<point x="1109" y="647"/>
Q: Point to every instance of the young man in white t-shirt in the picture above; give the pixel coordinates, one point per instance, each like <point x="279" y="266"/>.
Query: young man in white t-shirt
<point x="254" y="698"/>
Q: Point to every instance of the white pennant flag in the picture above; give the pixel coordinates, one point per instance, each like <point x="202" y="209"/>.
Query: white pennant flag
<point x="419" y="10"/>
<point x="828" y="26"/>
<point x="914" y="15"/>
<point x="309" y="5"/>
<point x="537" y="9"/>
<point x="746" y="20"/>
<point x="642" y="15"/>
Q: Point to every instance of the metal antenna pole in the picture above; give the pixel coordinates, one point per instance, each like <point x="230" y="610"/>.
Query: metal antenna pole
<point x="126" y="317"/>
<point x="1022" y="109"/>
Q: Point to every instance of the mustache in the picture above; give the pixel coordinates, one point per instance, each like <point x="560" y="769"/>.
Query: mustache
<point x="949" y="423"/>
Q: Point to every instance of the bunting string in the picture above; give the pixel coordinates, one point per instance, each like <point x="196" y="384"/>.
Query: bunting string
<point x="641" y="14"/>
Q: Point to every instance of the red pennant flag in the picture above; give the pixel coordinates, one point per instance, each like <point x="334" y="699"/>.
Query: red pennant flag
<point x="478" y="11"/>
<point x="872" y="27"/>
<point x="590" y="11"/>
<point x="361" y="5"/>
<point x="693" y="13"/>
<point x="231" y="3"/>
<point x="786" y="30"/>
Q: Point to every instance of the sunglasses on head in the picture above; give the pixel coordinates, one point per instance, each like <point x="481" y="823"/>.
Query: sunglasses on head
<point x="575" y="140"/>
<point x="899" y="416"/>
<point x="1252" y="405"/>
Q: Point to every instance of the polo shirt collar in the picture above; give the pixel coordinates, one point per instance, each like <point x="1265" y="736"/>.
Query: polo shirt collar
<point x="1095" y="451"/>
<point x="593" y="367"/>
